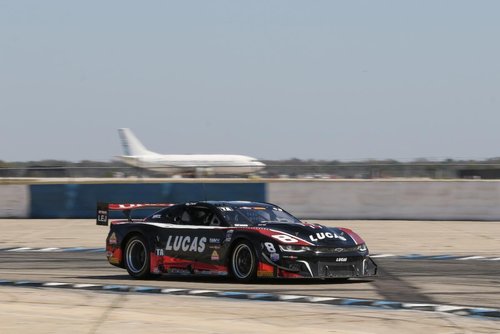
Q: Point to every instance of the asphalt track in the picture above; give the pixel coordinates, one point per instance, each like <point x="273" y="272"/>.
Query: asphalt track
<point x="461" y="282"/>
<point x="466" y="283"/>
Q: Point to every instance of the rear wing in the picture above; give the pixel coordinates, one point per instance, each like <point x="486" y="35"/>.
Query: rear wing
<point x="102" y="214"/>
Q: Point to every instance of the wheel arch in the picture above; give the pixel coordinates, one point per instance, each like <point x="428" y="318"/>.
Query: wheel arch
<point x="127" y="238"/>
<point x="242" y="237"/>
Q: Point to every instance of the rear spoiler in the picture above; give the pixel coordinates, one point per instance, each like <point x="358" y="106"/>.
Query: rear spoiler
<point x="104" y="208"/>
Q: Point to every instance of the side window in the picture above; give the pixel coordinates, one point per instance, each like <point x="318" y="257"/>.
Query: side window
<point x="187" y="215"/>
<point x="199" y="216"/>
<point x="195" y="216"/>
<point x="186" y="218"/>
<point x="233" y="217"/>
<point x="158" y="216"/>
<point x="173" y="215"/>
<point x="213" y="219"/>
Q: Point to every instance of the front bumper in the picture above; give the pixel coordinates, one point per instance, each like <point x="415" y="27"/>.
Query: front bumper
<point x="348" y="266"/>
<point x="362" y="268"/>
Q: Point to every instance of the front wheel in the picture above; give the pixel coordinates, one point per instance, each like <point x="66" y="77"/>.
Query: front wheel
<point x="137" y="257"/>
<point x="244" y="262"/>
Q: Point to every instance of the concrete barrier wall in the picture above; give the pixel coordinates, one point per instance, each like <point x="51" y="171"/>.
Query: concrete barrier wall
<point x="417" y="200"/>
<point x="79" y="200"/>
<point x="14" y="201"/>
<point x="339" y="199"/>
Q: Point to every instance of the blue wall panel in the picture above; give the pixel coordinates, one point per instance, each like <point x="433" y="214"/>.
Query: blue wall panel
<point x="79" y="200"/>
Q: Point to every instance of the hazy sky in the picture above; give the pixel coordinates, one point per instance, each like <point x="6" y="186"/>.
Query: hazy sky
<point x="270" y="79"/>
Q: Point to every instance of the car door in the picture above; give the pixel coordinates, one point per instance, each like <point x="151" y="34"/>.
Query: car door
<point x="208" y="225"/>
<point x="191" y="237"/>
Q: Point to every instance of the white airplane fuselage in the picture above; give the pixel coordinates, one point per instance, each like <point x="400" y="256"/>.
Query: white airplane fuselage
<point x="198" y="164"/>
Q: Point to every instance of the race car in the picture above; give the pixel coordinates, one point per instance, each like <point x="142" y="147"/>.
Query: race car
<point x="244" y="240"/>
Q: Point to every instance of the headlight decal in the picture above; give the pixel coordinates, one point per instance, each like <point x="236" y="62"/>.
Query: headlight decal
<point x="294" y="248"/>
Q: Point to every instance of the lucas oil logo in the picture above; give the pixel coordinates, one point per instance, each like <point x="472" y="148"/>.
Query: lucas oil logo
<point x="321" y="236"/>
<point x="185" y="243"/>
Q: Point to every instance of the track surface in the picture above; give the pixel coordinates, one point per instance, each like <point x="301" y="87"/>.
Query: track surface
<point x="471" y="283"/>
<point x="468" y="283"/>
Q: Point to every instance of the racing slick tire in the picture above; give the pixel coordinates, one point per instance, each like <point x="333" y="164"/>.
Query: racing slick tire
<point x="137" y="258"/>
<point x="243" y="262"/>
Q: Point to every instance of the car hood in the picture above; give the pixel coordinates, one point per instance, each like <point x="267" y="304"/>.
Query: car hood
<point x="319" y="235"/>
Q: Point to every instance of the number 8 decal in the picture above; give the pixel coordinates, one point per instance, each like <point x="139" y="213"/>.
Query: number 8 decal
<point x="284" y="238"/>
<point x="270" y="247"/>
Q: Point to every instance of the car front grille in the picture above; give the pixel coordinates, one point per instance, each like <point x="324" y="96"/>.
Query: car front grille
<point x="335" y="269"/>
<point x="335" y="250"/>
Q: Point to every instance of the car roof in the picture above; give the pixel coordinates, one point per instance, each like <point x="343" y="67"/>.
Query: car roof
<point x="238" y="203"/>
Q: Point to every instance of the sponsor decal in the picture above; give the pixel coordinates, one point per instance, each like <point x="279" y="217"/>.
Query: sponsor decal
<point x="178" y="271"/>
<point x="102" y="216"/>
<point x="156" y="216"/>
<point x="215" y="256"/>
<point x="229" y="235"/>
<point x="225" y="208"/>
<point x="341" y="259"/>
<point x="112" y="239"/>
<point x="214" y="240"/>
<point x="186" y="244"/>
<point x="262" y="273"/>
<point x="327" y="235"/>
<point x="159" y="252"/>
<point x="241" y="225"/>
<point x="275" y="257"/>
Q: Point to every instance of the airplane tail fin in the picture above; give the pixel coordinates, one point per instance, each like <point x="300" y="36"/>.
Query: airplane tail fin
<point x="130" y="144"/>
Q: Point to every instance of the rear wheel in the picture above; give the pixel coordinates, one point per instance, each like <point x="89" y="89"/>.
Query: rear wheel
<point x="137" y="257"/>
<point x="244" y="262"/>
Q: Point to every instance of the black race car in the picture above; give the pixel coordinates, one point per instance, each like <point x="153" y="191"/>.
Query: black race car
<point x="242" y="239"/>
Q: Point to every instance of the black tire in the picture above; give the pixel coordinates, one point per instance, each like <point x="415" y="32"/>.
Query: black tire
<point x="137" y="258"/>
<point x="243" y="262"/>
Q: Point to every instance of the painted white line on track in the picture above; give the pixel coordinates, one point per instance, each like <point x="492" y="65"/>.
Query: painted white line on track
<point x="20" y="249"/>
<point x="172" y="290"/>
<point x="471" y="258"/>
<point x="196" y="292"/>
<point x="53" y="284"/>
<point x="449" y="308"/>
<point x="83" y="286"/>
<point x="291" y="297"/>
<point x="382" y="255"/>
<point x="416" y="305"/>
<point x="48" y="249"/>
<point x="320" y="299"/>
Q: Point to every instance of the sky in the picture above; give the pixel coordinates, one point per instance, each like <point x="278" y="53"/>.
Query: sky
<point x="331" y="80"/>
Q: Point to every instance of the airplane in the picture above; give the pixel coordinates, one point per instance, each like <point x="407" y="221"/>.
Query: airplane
<point x="135" y="154"/>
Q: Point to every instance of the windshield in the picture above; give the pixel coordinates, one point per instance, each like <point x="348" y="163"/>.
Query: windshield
<point x="258" y="215"/>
